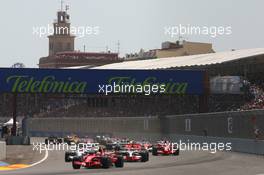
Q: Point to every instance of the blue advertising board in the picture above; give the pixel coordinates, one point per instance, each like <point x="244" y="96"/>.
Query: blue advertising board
<point x="91" y="81"/>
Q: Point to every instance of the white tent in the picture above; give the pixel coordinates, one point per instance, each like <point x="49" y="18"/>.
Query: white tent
<point x="9" y="123"/>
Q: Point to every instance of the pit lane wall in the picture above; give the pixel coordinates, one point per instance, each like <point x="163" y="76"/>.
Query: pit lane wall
<point x="136" y="127"/>
<point x="223" y="124"/>
<point x="240" y="124"/>
<point x="236" y="127"/>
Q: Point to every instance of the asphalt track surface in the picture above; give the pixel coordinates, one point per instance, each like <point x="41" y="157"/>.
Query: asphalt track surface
<point x="189" y="163"/>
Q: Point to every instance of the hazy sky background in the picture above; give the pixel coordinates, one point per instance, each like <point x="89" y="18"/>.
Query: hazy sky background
<point x="136" y="23"/>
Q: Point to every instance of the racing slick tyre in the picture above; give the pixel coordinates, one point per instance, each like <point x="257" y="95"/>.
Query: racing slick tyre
<point x="177" y="152"/>
<point x="67" y="156"/>
<point x="154" y="151"/>
<point x="119" y="162"/>
<point x="75" y="166"/>
<point x="144" y="156"/>
<point x="147" y="155"/>
<point x="46" y="141"/>
<point x="106" y="162"/>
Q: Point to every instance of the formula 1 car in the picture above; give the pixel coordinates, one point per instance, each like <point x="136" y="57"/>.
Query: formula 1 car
<point x="133" y="152"/>
<point x="134" y="155"/>
<point x="71" y="139"/>
<point x="54" y="140"/>
<point x="147" y="146"/>
<point x="115" y="144"/>
<point x="81" y="149"/>
<point x="165" y="148"/>
<point x="69" y="155"/>
<point x="102" y="139"/>
<point x="98" y="160"/>
<point x="143" y="144"/>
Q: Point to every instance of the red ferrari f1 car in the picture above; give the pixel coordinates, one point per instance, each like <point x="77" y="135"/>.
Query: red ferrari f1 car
<point x="165" y="148"/>
<point x="98" y="160"/>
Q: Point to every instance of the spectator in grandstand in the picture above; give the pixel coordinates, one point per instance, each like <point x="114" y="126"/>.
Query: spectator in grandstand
<point x="258" y="98"/>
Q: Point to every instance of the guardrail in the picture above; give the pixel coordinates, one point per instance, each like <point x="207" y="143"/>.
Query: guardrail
<point x="236" y="124"/>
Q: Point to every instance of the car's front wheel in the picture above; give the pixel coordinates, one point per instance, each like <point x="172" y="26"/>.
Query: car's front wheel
<point x="67" y="156"/>
<point x="177" y="152"/>
<point x="75" y="166"/>
<point x="119" y="162"/>
<point x="105" y="161"/>
<point x="154" y="151"/>
<point x="144" y="156"/>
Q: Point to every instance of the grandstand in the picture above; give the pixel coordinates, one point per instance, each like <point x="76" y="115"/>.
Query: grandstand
<point x="241" y="63"/>
<point x="247" y="63"/>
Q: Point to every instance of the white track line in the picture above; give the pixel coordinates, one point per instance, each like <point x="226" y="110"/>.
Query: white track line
<point x="34" y="164"/>
<point x="42" y="160"/>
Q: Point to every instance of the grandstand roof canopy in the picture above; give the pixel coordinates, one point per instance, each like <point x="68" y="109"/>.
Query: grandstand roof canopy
<point x="182" y="61"/>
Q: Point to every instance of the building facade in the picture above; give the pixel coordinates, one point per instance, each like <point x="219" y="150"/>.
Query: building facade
<point x="61" y="48"/>
<point x="183" y="48"/>
<point x="172" y="49"/>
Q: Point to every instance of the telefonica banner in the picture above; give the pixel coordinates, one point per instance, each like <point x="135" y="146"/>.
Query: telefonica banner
<point x="83" y="81"/>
